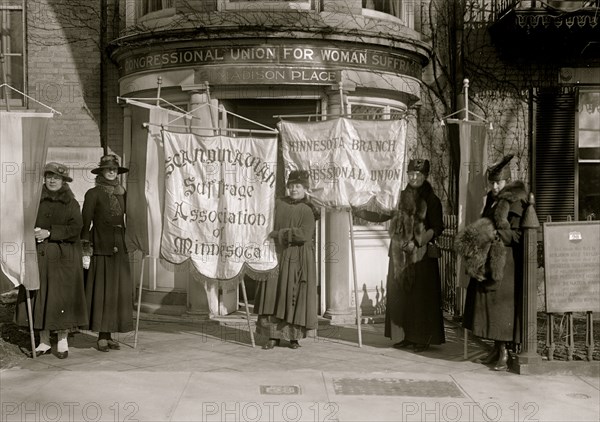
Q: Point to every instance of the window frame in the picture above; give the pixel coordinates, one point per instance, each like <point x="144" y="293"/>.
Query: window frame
<point x="378" y="14"/>
<point x="20" y="101"/>
<point x="266" y="5"/>
<point x="141" y="13"/>
<point x="585" y="162"/>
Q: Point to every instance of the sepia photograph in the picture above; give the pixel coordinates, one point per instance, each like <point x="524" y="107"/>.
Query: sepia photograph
<point x="299" y="210"/>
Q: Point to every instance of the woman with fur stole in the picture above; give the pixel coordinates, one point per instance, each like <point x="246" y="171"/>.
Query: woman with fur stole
<point x="413" y="315"/>
<point x="414" y="288"/>
<point x="492" y="251"/>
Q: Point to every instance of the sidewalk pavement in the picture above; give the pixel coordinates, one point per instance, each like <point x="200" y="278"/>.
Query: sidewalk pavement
<point x="191" y="370"/>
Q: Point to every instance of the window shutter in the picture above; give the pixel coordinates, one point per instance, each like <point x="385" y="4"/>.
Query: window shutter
<point x="555" y="156"/>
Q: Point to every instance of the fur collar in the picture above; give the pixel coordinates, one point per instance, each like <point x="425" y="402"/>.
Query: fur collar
<point x="513" y="192"/>
<point x="511" y="199"/>
<point x="64" y="194"/>
<point x="315" y="210"/>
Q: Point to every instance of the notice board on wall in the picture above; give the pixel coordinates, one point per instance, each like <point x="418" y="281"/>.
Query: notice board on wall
<point x="572" y="266"/>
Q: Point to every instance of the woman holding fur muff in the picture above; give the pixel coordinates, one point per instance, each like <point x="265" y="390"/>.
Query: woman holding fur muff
<point x="492" y="252"/>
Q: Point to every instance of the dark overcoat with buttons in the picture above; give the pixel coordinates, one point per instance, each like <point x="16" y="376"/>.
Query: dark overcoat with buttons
<point x="109" y="288"/>
<point x="104" y="234"/>
<point x="59" y="304"/>
<point x="292" y="296"/>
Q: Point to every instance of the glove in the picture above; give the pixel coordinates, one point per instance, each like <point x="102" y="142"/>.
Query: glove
<point x="86" y="262"/>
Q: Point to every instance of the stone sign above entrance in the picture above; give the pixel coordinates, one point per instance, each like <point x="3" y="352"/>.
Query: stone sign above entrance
<point x="326" y="58"/>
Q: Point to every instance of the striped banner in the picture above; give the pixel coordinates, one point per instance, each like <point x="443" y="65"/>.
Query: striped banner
<point x="472" y="183"/>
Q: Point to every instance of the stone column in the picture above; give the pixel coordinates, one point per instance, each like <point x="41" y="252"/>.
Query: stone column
<point x="199" y="297"/>
<point x="337" y="252"/>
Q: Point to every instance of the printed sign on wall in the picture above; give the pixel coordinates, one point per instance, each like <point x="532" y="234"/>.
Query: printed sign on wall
<point x="219" y="203"/>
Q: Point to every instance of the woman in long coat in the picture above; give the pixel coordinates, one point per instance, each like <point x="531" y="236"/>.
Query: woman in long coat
<point x="494" y="293"/>
<point x="109" y="288"/>
<point x="414" y="291"/>
<point x="287" y="306"/>
<point x="59" y="304"/>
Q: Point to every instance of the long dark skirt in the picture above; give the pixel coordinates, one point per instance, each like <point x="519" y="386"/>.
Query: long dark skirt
<point x="416" y="306"/>
<point x="492" y="309"/>
<point x="59" y="303"/>
<point x="109" y="294"/>
<point x="273" y="327"/>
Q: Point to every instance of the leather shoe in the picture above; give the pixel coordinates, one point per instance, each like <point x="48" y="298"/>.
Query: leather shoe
<point x="103" y="345"/>
<point x="420" y="347"/>
<point x="62" y="355"/>
<point x="403" y="344"/>
<point x="271" y="344"/>
<point x="114" y="345"/>
<point x="40" y="353"/>
<point x="491" y="357"/>
<point x="502" y="364"/>
<point x="294" y="344"/>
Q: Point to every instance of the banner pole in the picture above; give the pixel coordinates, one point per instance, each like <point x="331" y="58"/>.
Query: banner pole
<point x="28" y="301"/>
<point x="139" y="304"/>
<point x="247" y="311"/>
<point x="356" y="304"/>
<point x="30" y="316"/>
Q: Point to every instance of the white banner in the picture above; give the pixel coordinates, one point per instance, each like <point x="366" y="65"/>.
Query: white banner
<point x="350" y="161"/>
<point x="23" y="150"/>
<point x="219" y="203"/>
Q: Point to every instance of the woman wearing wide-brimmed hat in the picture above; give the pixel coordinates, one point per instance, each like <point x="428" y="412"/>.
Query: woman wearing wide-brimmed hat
<point x="59" y="303"/>
<point x="109" y="289"/>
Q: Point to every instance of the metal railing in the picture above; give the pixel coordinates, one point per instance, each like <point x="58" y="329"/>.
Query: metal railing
<point x="448" y="266"/>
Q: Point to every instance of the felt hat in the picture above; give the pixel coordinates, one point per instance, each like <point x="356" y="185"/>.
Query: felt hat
<point x="58" y="169"/>
<point x="298" y="176"/>
<point x="109" y="161"/>
<point x="420" y="165"/>
<point x="500" y="170"/>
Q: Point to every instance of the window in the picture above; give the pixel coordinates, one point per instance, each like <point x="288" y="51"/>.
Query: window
<point x="388" y="7"/>
<point x="12" y="47"/>
<point x="589" y="155"/>
<point x="267" y="4"/>
<point x="149" y="6"/>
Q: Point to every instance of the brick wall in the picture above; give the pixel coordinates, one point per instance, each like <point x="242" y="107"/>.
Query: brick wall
<point x="63" y="68"/>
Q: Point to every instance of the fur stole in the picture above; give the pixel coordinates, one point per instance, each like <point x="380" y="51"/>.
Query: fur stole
<point x="64" y="194"/>
<point x="483" y="253"/>
<point x="408" y="224"/>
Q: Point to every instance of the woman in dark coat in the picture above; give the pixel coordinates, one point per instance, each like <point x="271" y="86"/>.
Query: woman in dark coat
<point x="59" y="304"/>
<point x="494" y="293"/>
<point x="287" y="306"/>
<point x="414" y="289"/>
<point x="109" y="289"/>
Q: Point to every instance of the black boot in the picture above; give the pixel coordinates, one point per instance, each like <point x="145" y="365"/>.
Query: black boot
<point x="492" y="355"/>
<point x="271" y="343"/>
<point x="502" y="364"/>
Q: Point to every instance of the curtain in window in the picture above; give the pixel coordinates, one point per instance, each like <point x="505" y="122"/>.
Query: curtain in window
<point x="154" y="5"/>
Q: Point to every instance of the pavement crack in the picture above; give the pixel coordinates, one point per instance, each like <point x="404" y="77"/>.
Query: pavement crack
<point x="171" y="411"/>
